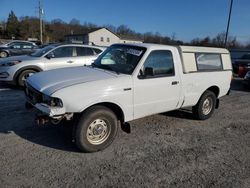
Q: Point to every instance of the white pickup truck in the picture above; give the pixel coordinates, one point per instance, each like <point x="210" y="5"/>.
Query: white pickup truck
<point x="128" y="82"/>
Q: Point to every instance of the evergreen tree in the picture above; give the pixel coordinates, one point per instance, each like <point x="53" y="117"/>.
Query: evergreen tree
<point x="12" y="26"/>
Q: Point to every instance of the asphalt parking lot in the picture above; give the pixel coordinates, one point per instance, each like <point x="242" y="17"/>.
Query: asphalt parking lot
<point x="164" y="150"/>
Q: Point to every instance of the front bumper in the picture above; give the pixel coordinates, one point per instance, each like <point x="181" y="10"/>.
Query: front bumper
<point x="34" y="98"/>
<point x="53" y="112"/>
<point x="6" y="74"/>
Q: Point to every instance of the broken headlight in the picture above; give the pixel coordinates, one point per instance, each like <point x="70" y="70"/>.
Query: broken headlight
<point x="52" y="101"/>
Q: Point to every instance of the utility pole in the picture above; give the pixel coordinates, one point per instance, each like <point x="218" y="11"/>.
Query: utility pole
<point x="40" y="9"/>
<point x="228" y="23"/>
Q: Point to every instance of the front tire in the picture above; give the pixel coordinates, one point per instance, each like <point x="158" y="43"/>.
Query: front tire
<point x="96" y="129"/>
<point x="23" y="76"/>
<point x="3" y="54"/>
<point x="205" y="107"/>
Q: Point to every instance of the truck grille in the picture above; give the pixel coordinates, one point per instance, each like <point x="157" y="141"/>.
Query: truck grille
<point x="33" y="95"/>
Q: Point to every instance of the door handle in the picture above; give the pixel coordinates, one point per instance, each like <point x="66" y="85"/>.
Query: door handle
<point x="70" y="61"/>
<point x="175" y="82"/>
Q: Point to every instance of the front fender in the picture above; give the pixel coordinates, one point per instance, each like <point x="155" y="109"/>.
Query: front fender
<point x="78" y="98"/>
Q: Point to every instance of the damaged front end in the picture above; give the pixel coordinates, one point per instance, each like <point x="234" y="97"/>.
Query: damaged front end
<point x="50" y="109"/>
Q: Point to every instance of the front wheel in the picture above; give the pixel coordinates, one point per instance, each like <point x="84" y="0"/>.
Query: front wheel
<point x="205" y="107"/>
<point x="23" y="76"/>
<point x="96" y="129"/>
<point x="3" y="54"/>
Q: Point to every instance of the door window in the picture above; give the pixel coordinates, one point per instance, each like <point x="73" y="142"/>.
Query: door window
<point x="97" y="51"/>
<point x="15" y="46"/>
<point x="89" y="51"/>
<point x="27" y="46"/>
<point x="159" y="63"/>
<point x="83" y="51"/>
<point x="63" y="52"/>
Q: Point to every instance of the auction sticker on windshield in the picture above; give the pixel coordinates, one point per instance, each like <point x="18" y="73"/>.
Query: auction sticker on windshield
<point x="134" y="52"/>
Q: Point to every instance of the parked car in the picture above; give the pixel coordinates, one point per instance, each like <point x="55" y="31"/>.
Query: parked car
<point x="128" y="82"/>
<point x="48" y="44"/>
<point x="15" y="48"/>
<point x="240" y="61"/>
<point x="246" y="80"/>
<point x="16" y="69"/>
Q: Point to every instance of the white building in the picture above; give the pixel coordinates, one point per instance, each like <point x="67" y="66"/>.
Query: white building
<point x="126" y="39"/>
<point x="99" y="37"/>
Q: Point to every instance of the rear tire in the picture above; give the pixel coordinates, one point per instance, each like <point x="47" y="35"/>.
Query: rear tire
<point x="23" y="76"/>
<point x="96" y="129"/>
<point x="205" y="107"/>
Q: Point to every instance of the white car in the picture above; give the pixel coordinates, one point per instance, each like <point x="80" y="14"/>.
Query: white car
<point x="17" y="68"/>
<point x="128" y="82"/>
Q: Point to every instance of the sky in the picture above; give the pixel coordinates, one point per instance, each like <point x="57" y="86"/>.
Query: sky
<point x="186" y="19"/>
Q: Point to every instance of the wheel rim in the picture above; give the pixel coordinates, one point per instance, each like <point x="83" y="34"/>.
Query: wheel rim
<point x="98" y="132"/>
<point x="27" y="75"/>
<point x="3" y="54"/>
<point x="207" y="106"/>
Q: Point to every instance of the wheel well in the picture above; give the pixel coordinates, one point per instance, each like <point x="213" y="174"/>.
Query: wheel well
<point x="215" y="90"/>
<point x="114" y="107"/>
<point x="25" y="69"/>
<point x="6" y="52"/>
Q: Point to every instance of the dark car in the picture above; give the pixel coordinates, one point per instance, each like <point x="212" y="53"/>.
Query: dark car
<point x="240" y="61"/>
<point x="15" y="48"/>
<point x="48" y="44"/>
<point x="246" y="80"/>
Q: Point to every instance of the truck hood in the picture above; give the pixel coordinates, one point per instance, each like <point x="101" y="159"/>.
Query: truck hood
<point x="17" y="58"/>
<point x="51" y="81"/>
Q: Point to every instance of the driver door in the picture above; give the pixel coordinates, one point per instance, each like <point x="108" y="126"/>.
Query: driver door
<point x="15" y="49"/>
<point x="157" y="88"/>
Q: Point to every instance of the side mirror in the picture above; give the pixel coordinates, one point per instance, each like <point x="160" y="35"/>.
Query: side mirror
<point x="50" y="55"/>
<point x="149" y="71"/>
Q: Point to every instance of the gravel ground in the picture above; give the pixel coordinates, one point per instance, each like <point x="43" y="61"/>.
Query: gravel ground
<point x="165" y="150"/>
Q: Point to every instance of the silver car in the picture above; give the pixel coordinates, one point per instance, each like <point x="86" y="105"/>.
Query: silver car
<point x="16" y="69"/>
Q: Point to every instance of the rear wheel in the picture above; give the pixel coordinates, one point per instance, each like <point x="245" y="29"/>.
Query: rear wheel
<point x="3" y="54"/>
<point x="96" y="129"/>
<point x="205" y="107"/>
<point x="23" y="76"/>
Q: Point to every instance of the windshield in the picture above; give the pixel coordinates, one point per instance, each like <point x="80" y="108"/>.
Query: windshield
<point x="42" y="51"/>
<point x="8" y="43"/>
<point x="246" y="56"/>
<point x="240" y="54"/>
<point x="120" y="58"/>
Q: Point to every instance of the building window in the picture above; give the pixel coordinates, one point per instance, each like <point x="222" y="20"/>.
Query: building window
<point x="101" y="39"/>
<point x="108" y="39"/>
